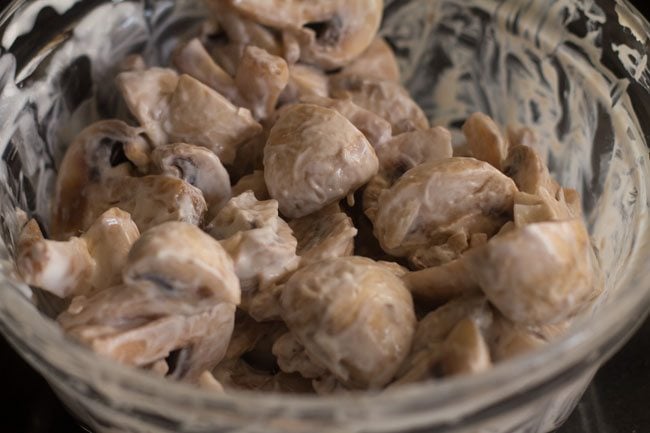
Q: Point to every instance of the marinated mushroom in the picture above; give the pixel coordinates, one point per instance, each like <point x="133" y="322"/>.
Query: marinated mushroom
<point x="441" y="283"/>
<point x="79" y="265"/>
<point x="314" y="157"/>
<point x="252" y="182"/>
<point x="441" y="203"/>
<point x="239" y="375"/>
<point x="550" y="274"/>
<point x="387" y="99"/>
<point x="353" y="316"/>
<point x="197" y="166"/>
<point x="377" y="62"/>
<point x="485" y="140"/>
<point x="330" y="33"/>
<point x="179" y="295"/>
<point x="324" y="234"/>
<point x="160" y="100"/>
<point x="304" y="80"/>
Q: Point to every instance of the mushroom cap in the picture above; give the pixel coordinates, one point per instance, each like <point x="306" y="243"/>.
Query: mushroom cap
<point x="94" y="157"/>
<point x="524" y="165"/>
<point x="197" y="166"/>
<point x="539" y="274"/>
<point x="408" y="149"/>
<point x="438" y="199"/>
<point x="353" y="316"/>
<point x="330" y="33"/>
<point x="377" y="62"/>
<point x="186" y="261"/>
<point x="314" y="157"/>
<point x="387" y="99"/>
<point x="324" y="234"/>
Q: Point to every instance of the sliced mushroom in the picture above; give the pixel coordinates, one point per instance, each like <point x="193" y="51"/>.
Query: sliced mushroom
<point x="438" y="200"/>
<point x="304" y="80"/>
<point x="331" y="34"/>
<point x="353" y="316"/>
<point x="387" y="99"/>
<point x="253" y="182"/>
<point x="261" y="78"/>
<point x="433" y="330"/>
<point x="377" y="62"/>
<point x="182" y="109"/>
<point x="376" y="129"/>
<point x="529" y="172"/>
<point x="197" y="166"/>
<point x="485" y="140"/>
<point x="551" y="272"/>
<point x="260" y="243"/>
<point x="324" y="234"/>
<point x="314" y="157"/>
<point x="95" y="157"/>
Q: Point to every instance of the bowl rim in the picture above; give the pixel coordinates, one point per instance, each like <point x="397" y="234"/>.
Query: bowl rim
<point x="448" y="399"/>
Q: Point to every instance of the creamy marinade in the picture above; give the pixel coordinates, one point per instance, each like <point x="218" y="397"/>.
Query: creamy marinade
<point x="507" y="74"/>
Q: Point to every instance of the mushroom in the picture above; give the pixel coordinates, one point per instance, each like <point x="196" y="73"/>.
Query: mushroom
<point x="330" y="34"/>
<point x="239" y="375"/>
<point x="261" y="78"/>
<point x="441" y="204"/>
<point x="400" y="154"/>
<point x="464" y="351"/>
<point x="485" y="140"/>
<point x="179" y="297"/>
<point x="260" y="243"/>
<point x="433" y="332"/>
<point x="376" y="129"/>
<point x="207" y="381"/>
<point x="377" y="62"/>
<point x="441" y="283"/>
<point x="387" y="99"/>
<point x="176" y="108"/>
<point x="304" y="80"/>
<point x="530" y="208"/>
<point x="353" y="316"/>
<point x="529" y="172"/>
<point x="250" y="156"/>
<point x="249" y="333"/>
<point x="314" y="157"/>
<point x="538" y="274"/>
<point x="324" y="234"/>
<point x="197" y="166"/>
<point x="252" y="182"/>
<point x="81" y="265"/>
<point x="292" y="358"/>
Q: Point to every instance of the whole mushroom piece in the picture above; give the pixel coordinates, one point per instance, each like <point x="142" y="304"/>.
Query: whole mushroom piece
<point x="314" y="157"/>
<point x="377" y="62"/>
<point x="353" y="316"/>
<point x="442" y="203"/>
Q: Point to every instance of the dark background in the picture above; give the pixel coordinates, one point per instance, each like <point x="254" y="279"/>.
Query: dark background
<point x="618" y="400"/>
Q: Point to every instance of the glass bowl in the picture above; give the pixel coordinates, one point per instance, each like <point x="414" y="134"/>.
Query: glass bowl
<point x="574" y="71"/>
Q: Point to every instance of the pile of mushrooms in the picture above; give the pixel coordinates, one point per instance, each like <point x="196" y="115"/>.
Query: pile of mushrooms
<point x="278" y="214"/>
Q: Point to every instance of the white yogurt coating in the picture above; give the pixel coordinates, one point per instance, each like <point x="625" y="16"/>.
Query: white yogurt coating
<point x="529" y="70"/>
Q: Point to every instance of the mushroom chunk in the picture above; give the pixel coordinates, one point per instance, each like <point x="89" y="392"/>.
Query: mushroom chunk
<point x="239" y="375"/>
<point x="442" y="203"/>
<point x="314" y="157"/>
<point x="292" y="358"/>
<point x="98" y="154"/>
<point x="464" y="351"/>
<point x="353" y="316"/>
<point x="376" y="129"/>
<point x="377" y="62"/>
<point x="261" y="78"/>
<point x="485" y="140"/>
<point x="441" y="283"/>
<point x="180" y="294"/>
<point x="330" y="33"/>
<point x="252" y="182"/>
<point x="551" y="272"/>
<point x="529" y="172"/>
<point x="432" y="333"/>
<point x="260" y="243"/>
<point x="81" y="265"/>
<point x="304" y="80"/>
<point x="324" y="234"/>
<point x="182" y="109"/>
<point x="197" y="166"/>
<point x="387" y="99"/>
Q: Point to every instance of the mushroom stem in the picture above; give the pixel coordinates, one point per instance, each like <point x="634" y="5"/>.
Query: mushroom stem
<point x="441" y="283"/>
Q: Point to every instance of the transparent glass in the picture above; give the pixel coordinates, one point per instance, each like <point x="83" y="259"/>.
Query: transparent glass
<point x="574" y="71"/>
